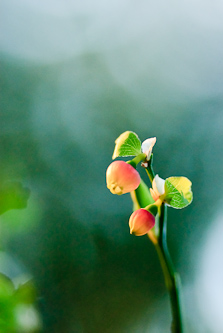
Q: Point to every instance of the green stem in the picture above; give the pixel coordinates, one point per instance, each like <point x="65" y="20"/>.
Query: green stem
<point x="149" y="169"/>
<point x="137" y="159"/>
<point x="172" y="279"/>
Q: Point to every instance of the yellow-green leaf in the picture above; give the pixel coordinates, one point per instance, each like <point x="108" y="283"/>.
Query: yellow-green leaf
<point x="178" y="192"/>
<point x="127" y="144"/>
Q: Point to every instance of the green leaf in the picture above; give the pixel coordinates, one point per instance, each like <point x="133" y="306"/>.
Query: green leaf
<point x="178" y="192"/>
<point x="127" y="144"/>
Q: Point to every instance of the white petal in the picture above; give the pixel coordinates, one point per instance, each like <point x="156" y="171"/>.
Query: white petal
<point x="147" y="147"/>
<point x="159" y="183"/>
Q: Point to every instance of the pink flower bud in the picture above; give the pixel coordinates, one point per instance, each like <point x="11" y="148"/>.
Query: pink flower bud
<point x="122" y="178"/>
<point x="140" y="222"/>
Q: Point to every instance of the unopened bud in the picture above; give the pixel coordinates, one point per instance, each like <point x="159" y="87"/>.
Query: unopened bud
<point x="122" y="178"/>
<point x="140" y="222"/>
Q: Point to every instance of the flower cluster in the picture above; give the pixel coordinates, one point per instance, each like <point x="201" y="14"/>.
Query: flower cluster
<point x="149" y="216"/>
<point x="122" y="177"/>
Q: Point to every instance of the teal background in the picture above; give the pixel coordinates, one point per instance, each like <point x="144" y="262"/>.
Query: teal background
<point x="74" y="76"/>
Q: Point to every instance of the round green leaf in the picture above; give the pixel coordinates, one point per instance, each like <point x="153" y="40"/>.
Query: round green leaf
<point x="127" y="144"/>
<point x="178" y="192"/>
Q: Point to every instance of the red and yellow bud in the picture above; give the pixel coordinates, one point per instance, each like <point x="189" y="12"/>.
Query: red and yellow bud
<point x="140" y="222"/>
<point x="122" y="178"/>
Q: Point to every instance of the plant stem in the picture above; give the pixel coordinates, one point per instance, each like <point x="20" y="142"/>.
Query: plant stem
<point x="172" y="279"/>
<point x="149" y="169"/>
<point x="137" y="159"/>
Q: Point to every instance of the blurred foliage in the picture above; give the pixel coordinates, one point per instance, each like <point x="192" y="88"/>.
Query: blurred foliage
<point x="17" y="311"/>
<point x="13" y="196"/>
<point x="17" y="305"/>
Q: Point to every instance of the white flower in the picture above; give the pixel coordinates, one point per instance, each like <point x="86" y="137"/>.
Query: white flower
<point x="147" y="147"/>
<point x="158" y="187"/>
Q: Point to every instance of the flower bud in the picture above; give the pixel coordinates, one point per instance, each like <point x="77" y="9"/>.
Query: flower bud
<point x="140" y="222"/>
<point x="122" y="178"/>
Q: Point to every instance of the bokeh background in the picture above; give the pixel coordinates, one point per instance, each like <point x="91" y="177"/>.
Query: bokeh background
<point x="74" y="76"/>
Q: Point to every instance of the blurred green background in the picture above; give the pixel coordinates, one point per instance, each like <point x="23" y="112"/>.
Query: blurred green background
<point x="74" y="76"/>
